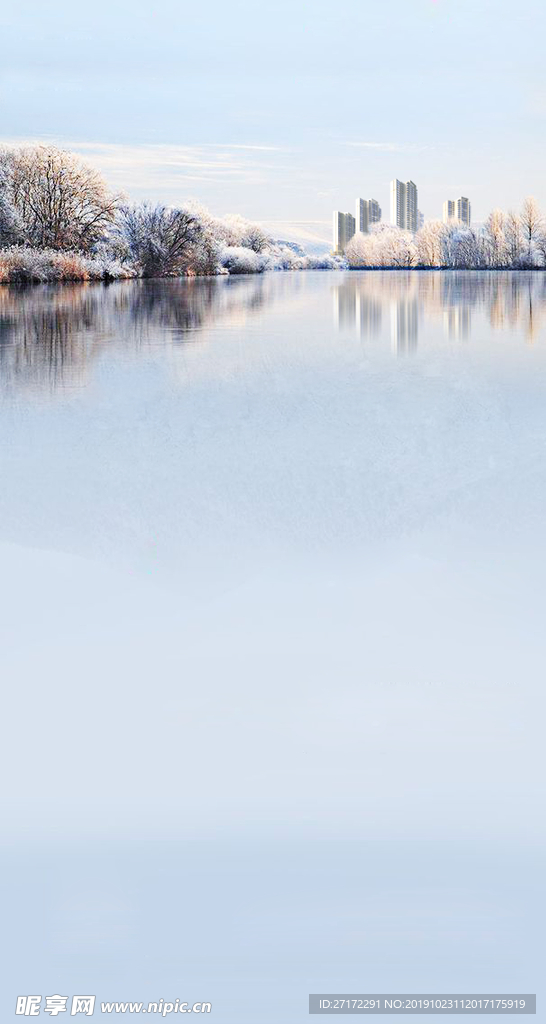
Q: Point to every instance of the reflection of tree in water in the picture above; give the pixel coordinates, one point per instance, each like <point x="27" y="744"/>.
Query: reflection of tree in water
<point x="44" y="334"/>
<point x="509" y="299"/>
<point x="49" y="335"/>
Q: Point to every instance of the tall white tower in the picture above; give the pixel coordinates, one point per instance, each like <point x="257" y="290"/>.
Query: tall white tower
<point x="362" y="216"/>
<point x="463" y="210"/>
<point x="404" y="205"/>
<point x="344" y="229"/>
<point x="368" y="212"/>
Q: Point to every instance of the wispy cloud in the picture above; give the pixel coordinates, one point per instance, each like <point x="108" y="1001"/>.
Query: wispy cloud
<point x="139" y="166"/>
<point x="148" y="166"/>
<point x="237" y="145"/>
<point x="390" y="147"/>
<point x="387" y="146"/>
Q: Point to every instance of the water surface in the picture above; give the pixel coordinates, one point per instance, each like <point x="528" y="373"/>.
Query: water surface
<point x="273" y="557"/>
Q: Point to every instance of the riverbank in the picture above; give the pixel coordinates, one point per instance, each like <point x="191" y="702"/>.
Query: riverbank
<point x="28" y="265"/>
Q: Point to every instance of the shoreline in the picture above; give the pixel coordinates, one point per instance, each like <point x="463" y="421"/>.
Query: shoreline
<point x="108" y="279"/>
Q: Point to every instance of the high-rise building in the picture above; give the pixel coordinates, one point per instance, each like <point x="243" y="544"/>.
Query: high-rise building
<point x="457" y="209"/>
<point x="420" y="220"/>
<point x="374" y="211"/>
<point x="368" y="212"/>
<point x="398" y="203"/>
<point x="404" y="211"/>
<point x="344" y="229"/>
<point x="362" y="216"/>
<point x="449" y="211"/>
<point x="463" y="210"/>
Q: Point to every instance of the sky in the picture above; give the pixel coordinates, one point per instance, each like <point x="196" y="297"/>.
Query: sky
<point x="283" y="112"/>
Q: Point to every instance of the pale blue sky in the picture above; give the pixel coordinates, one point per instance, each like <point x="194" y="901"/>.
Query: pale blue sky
<point x="285" y="111"/>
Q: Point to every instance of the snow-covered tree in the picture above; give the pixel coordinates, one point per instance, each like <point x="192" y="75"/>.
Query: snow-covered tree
<point x="514" y="240"/>
<point x="58" y="202"/>
<point x="430" y="242"/>
<point x="359" y="250"/>
<point x="463" y="247"/>
<point x="532" y="226"/>
<point x="245" y="233"/>
<point x="494" y="239"/>
<point x="161" y="241"/>
<point x="401" y="249"/>
<point x="384" y="246"/>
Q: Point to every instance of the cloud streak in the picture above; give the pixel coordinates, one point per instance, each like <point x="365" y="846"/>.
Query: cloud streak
<point x="389" y="147"/>
<point x="146" y="166"/>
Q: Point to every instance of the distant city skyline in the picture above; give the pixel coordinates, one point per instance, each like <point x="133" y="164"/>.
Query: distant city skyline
<point x="223" y="105"/>
<point x="404" y="214"/>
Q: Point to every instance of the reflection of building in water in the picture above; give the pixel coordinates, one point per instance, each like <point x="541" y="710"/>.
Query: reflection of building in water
<point x="367" y="316"/>
<point x="452" y="300"/>
<point x="404" y="325"/>
<point x="458" y="321"/>
<point x="344" y="307"/>
<point x="355" y="309"/>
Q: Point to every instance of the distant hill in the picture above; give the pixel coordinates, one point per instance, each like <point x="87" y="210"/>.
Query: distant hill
<point x="312" y="237"/>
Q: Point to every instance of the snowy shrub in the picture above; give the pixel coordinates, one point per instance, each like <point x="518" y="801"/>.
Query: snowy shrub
<point x="238" y="260"/>
<point x="22" y="265"/>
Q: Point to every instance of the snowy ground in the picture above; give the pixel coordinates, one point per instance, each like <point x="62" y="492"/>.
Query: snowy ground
<point x="272" y="638"/>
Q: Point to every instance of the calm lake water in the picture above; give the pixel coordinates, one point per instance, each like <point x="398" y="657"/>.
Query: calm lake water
<point x="273" y="556"/>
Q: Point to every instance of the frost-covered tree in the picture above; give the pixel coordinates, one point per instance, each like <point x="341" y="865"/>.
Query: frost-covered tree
<point x="161" y="241"/>
<point x="463" y="247"/>
<point x="514" y="240"/>
<point x="233" y="230"/>
<point x="384" y="246"/>
<point x="56" y="200"/>
<point x="401" y="248"/>
<point x="11" y="229"/>
<point x="540" y="248"/>
<point x="245" y="233"/>
<point x="532" y="225"/>
<point x="430" y="244"/>
<point x="494" y="240"/>
<point x="360" y="249"/>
